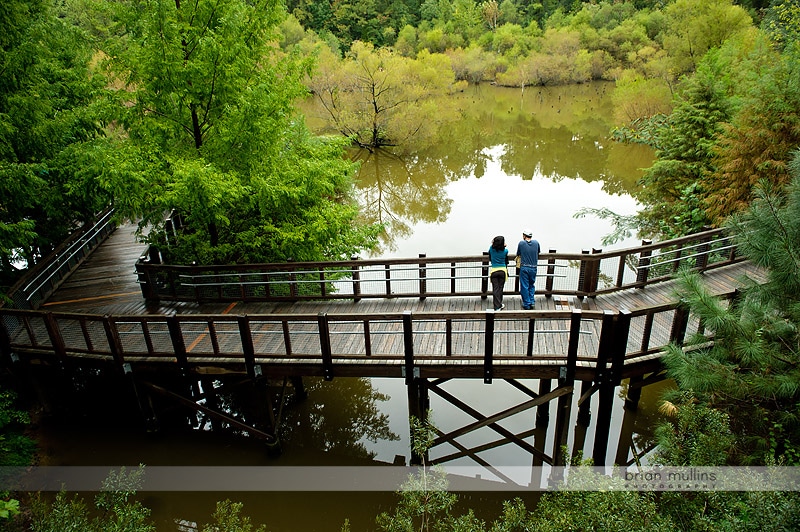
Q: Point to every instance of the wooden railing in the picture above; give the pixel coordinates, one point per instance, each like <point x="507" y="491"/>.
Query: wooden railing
<point x="43" y="279"/>
<point x="593" y="345"/>
<point x="589" y="273"/>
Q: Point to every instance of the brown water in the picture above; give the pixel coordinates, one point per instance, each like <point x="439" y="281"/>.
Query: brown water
<point x="514" y="161"/>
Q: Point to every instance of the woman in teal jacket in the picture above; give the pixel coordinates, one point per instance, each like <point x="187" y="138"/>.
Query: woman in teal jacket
<point x="498" y="272"/>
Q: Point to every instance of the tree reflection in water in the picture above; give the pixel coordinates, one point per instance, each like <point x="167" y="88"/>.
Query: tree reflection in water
<point x="400" y="192"/>
<point x="550" y="133"/>
<point x="339" y="417"/>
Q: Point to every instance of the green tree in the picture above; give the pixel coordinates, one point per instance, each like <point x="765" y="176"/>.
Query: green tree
<point x="228" y="518"/>
<point x="50" y="114"/>
<point x="697" y="26"/>
<point x="599" y="507"/>
<point x="379" y="98"/>
<point x="672" y="191"/>
<point x="757" y="143"/>
<point x="425" y="503"/>
<point x="115" y="509"/>
<point x="752" y="371"/>
<point x="212" y="134"/>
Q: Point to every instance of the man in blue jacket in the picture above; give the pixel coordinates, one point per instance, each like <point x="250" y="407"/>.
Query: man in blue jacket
<point x="528" y="251"/>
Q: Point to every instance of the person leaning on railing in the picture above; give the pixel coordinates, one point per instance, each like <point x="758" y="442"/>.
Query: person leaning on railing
<point x="498" y="272"/>
<point x="527" y="259"/>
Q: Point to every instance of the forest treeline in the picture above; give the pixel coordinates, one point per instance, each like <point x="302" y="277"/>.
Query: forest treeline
<point x="709" y="84"/>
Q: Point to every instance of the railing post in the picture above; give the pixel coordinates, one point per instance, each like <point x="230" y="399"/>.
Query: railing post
<point x="594" y="278"/>
<point x="680" y="322"/>
<point x="178" y="342"/>
<point x="356" y="280"/>
<point x="388" y="271"/>
<point x="605" y="393"/>
<point x="582" y="275"/>
<point x="248" y="349"/>
<point x="531" y="333"/>
<point x="551" y="271"/>
<point x="485" y="275"/>
<point x="323" y="291"/>
<point x="644" y="265"/>
<point x="423" y="271"/>
<point x="115" y="344"/>
<point x="325" y="346"/>
<point x="488" y="352"/>
<point x="147" y="281"/>
<point x="153" y="255"/>
<point x="56" y="340"/>
<point x="621" y="332"/>
<point x="292" y="282"/>
<point x="704" y="248"/>
<point x="453" y="278"/>
<point x="448" y="337"/>
<point x="408" y="347"/>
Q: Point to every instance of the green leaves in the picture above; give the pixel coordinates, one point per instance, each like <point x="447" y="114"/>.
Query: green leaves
<point x="752" y="370"/>
<point x="212" y="135"/>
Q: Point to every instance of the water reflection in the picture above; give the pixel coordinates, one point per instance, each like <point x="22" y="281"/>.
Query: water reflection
<point x="400" y="192"/>
<point x="339" y="418"/>
<point x="516" y="144"/>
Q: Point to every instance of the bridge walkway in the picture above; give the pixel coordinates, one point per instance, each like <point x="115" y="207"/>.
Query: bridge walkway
<point x="106" y="283"/>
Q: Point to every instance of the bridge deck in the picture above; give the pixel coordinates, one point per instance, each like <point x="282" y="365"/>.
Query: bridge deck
<point x="366" y="338"/>
<point x="107" y="284"/>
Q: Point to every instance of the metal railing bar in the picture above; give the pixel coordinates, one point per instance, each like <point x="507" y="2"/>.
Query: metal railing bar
<point x="349" y="281"/>
<point x="61" y="261"/>
<point x="655" y="262"/>
<point x="362" y="271"/>
<point x="699" y="244"/>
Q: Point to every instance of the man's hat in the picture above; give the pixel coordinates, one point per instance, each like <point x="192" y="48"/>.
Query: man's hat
<point x="528" y="234"/>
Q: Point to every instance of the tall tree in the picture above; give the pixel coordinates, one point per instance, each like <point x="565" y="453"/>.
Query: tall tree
<point x="672" y="188"/>
<point x="752" y="371"/>
<point x="696" y="26"/>
<point x="214" y="136"/>
<point x="756" y="145"/>
<point x="379" y="98"/>
<point x="49" y="116"/>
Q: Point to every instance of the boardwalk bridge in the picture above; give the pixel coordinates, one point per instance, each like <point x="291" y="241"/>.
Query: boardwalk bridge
<point x="104" y="304"/>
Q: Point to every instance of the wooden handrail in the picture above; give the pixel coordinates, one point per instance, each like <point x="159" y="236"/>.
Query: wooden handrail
<point x="385" y="344"/>
<point x="578" y="274"/>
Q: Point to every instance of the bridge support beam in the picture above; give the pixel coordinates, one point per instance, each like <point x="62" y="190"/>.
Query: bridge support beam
<point x="606" y="382"/>
<point x="566" y="381"/>
<point x="543" y="410"/>
<point x="418" y="406"/>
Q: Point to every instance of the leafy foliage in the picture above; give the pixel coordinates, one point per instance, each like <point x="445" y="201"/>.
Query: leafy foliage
<point x="752" y="370"/>
<point x="49" y="114"/>
<point x="16" y="448"/>
<point x="596" y="508"/>
<point x="116" y="509"/>
<point x="379" y="98"/>
<point x="212" y="135"/>
<point x="757" y="144"/>
<point x="227" y="518"/>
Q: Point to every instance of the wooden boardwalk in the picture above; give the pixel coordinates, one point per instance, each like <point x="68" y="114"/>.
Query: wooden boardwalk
<point x="436" y="336"/>
<point x="107" y="284"/>
<point x="98" y="318"/>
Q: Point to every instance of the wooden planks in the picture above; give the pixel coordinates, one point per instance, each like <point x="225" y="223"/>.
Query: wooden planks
<point x="107" y="285"/>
